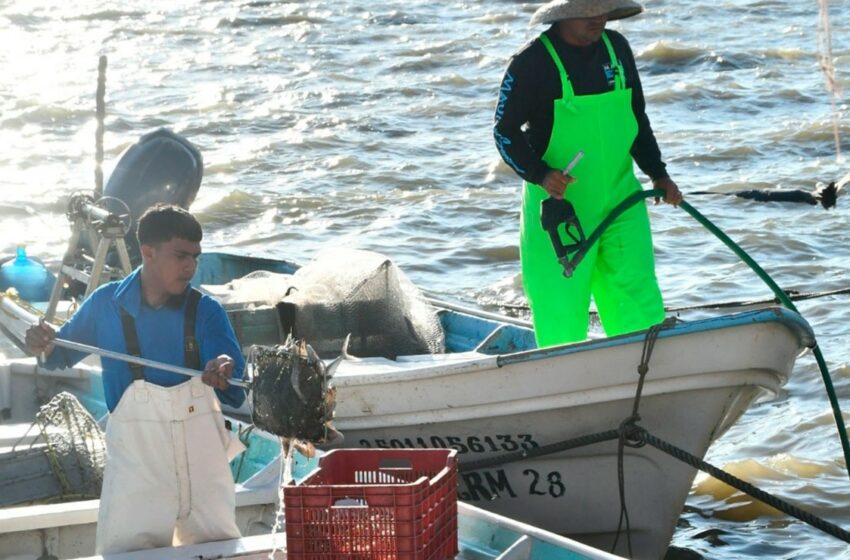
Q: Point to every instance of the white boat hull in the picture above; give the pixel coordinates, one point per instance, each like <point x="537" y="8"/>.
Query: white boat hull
<point x="698" y="384"/>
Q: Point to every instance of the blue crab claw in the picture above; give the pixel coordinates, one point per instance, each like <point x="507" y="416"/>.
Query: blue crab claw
<point x="344" y="355"/>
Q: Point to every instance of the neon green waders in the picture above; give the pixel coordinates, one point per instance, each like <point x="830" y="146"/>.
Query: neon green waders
<point x="619" y="271"/>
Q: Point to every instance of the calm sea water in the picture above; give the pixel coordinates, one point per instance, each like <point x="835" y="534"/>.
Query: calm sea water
<point x="367" y="124"/>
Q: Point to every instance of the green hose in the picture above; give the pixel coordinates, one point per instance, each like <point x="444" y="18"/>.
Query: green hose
<point x="780" y="294"/>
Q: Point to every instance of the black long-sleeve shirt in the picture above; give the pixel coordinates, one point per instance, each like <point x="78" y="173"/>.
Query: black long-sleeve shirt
<point x="524" y="114"/>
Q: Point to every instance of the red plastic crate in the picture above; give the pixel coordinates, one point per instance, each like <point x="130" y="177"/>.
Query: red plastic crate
<point x="375" y="504"/>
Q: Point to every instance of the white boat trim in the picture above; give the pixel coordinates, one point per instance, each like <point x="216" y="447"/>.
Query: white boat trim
<point x="28" y="518"/>
<point x="256" y="547"/>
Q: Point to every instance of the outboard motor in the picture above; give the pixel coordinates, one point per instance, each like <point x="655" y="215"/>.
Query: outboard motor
<point x="162" y="167"/>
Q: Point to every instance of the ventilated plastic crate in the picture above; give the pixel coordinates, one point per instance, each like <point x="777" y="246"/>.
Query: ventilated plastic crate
<point x="375" y="504"/>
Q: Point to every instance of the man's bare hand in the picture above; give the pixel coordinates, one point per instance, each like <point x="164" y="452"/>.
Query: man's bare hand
<point x="39" y="339"/>
<point x="672" y="194"/>
<point x="555" y="183"/>
<point x="218" y="371"/>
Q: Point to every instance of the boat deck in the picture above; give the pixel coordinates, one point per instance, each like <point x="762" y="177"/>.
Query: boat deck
<point x="260" y="547"/>
<point x="484" y="536"/>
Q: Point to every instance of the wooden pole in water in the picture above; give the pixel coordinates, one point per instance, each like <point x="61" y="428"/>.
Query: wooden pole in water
<point x="100" y="113"/>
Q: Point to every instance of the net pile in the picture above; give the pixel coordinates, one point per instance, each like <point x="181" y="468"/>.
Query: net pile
<point x="63" y="462"/>
<point x="75" y="447"/>
<point x="257" y="287"/>
<point x="364" y="294"/>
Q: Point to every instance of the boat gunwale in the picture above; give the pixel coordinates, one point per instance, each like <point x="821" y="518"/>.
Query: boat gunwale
<point x="470" y="361"/>
<point x="768" y="383"/>
<point x="476" y="361"/>
<point x="792" y="321"/>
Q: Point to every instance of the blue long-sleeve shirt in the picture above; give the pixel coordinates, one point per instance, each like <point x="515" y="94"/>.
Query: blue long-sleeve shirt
<point x="160" y="332"/>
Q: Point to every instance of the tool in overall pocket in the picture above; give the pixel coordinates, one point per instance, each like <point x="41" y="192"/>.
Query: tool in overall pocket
<point x="553" y="213"/>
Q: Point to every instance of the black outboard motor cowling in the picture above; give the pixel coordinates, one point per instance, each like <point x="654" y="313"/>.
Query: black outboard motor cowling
<point x="162" y="167"/>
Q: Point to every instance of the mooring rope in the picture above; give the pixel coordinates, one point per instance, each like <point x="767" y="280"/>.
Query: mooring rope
<point x="635" y="436"/>
<point x="541" y="451"/>
<point x="640" y="434"/>
<point x="643" y="368"/>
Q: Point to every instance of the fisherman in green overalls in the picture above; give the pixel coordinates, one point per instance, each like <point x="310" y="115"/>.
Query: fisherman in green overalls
<point x="575" y="89"/>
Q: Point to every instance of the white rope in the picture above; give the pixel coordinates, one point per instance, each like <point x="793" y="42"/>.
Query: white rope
<point x="827" y="65"/>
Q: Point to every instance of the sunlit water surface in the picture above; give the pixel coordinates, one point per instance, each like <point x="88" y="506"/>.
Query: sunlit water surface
<point x="368" y="124"/>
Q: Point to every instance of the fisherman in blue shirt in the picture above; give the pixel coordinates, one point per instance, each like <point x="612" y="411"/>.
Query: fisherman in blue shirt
<point x="167" y="479"/>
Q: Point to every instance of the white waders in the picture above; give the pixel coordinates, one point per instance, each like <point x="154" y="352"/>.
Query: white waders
<point x="167" y="480"/>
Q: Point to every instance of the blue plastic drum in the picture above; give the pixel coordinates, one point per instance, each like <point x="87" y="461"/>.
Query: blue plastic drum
<point x="29" y="277"/>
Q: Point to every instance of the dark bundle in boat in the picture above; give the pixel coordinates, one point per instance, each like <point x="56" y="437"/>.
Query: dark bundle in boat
<point x="293" y="395"/>
<point x="361" y="294"/>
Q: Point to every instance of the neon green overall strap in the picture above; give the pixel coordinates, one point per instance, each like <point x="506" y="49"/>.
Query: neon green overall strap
<point x="566" y="86"/>
<point x="619" y="74"/>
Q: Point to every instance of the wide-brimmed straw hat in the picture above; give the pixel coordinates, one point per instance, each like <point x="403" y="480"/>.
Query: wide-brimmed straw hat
<point x="556" y="10"/>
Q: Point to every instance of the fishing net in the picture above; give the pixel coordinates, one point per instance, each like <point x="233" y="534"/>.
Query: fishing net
<point x="257" y="287"/>
<point x="75" y="446"/>
<point x="63" y="462"/>
<point x="363" y="294"/>
<point x="292" y="394"/>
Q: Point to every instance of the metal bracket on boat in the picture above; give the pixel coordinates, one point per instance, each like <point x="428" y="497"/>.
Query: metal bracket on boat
<point x="92" y="221"/>
<point x="97" y="215"/>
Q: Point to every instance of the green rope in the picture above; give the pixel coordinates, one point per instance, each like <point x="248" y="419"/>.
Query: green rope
<point x="244" y="437"/>
<point x="780" y="294"/>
